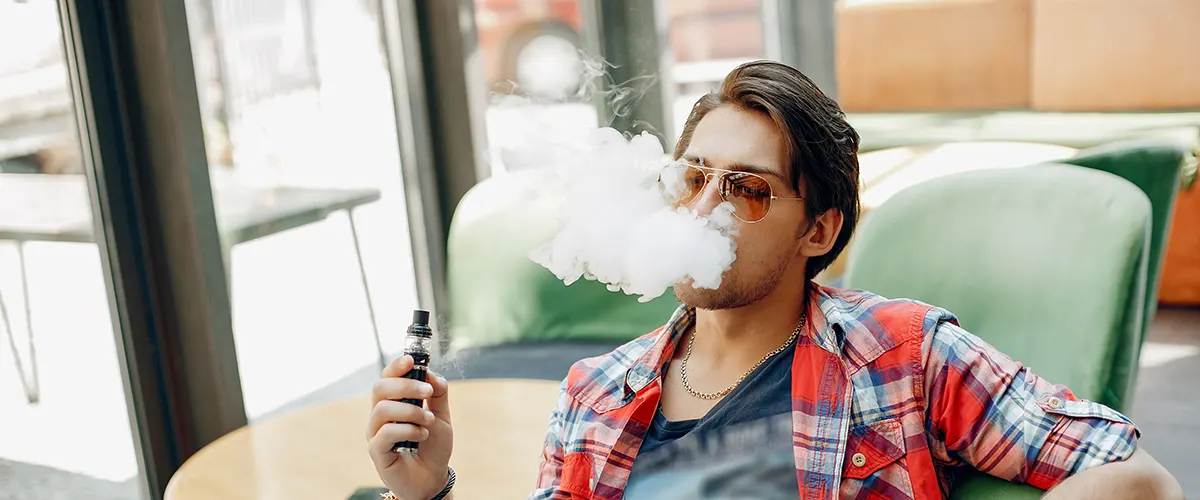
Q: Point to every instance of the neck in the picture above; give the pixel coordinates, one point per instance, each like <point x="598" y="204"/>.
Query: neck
<point x="742" y="335"/>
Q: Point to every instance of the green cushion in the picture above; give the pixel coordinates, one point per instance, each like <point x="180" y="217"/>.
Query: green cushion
<point x="1154" y="166"/>
<point x="498" y="295"/>
<point x="1047" y="263"/>
<point x="977" y="486"/>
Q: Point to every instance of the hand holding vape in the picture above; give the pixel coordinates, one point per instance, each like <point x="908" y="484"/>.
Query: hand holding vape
<point x="419" y="345"/>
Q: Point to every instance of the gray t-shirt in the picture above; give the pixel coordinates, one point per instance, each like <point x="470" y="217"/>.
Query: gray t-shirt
<point x="741" y="449"/>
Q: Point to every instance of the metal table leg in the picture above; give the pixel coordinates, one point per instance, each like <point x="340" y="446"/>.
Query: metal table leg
<point x="362" y="272"/>
<point x="32" y="387"/>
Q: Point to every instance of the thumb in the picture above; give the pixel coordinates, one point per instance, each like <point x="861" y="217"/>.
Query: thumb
<point x="439" y="403"/>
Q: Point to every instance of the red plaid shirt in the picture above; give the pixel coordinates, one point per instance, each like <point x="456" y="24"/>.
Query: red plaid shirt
<point x="895" y="381"/>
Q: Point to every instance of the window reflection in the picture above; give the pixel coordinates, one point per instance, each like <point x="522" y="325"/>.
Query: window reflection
<point x="535" y="64"/>
<point x="531" y="47"/>
<point x="709" y="38"/>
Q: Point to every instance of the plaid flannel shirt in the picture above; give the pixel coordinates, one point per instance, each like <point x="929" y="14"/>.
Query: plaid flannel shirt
<point x="887" y="395"/>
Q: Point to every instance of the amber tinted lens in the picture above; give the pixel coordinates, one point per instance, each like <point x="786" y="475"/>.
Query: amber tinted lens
<point x="681" y="182"/>
<point x="750" y="195"/>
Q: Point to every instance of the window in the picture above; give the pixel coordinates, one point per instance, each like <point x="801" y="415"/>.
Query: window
<point x="298" y="118"/>
<point x="708" y="39"/>
<point x="66" y="429"/>
<point x="537" y="68"/>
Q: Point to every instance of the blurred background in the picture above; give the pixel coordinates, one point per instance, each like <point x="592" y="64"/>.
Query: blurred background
<point x="214" y="213"/>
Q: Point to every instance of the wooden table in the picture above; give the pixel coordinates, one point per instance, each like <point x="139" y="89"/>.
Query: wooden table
<point x="57" y="208"/>
<point x="321" y="452"/>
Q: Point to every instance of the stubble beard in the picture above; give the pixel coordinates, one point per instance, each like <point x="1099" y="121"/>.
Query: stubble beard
<point x="732" y="294"/>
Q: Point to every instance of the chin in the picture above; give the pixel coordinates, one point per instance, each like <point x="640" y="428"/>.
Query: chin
<point x="710" y="299"/>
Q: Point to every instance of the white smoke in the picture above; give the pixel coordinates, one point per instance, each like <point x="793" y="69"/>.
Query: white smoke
<point x="617" y="223"/>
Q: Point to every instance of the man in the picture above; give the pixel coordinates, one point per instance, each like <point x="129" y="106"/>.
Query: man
<point x="774" y="387"/>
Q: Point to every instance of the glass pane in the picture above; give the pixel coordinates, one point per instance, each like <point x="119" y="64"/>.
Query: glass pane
<point x="66" y="430"/>
<point x="536" y="69"/>
<point x="708" y="39"/>
<point x="298" y="117"/>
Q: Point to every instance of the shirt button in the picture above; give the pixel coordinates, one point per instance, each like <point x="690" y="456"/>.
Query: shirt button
<point x="858" y="460"/>
<point x="1054" y="403"/>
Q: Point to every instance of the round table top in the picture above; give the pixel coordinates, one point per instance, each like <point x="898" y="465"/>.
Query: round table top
<point x="320" y="452"/>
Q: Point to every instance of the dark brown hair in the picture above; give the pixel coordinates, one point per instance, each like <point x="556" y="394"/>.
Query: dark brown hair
<point x="822" y="148"/>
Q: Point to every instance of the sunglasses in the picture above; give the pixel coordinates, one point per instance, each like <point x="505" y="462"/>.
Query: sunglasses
<point x="749" y="193"/>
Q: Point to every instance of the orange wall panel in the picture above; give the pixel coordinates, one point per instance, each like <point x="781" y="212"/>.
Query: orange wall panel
<point x="1181" y="267"/>
<point x="933" y="54"/>
<point x="1098" y="55"/>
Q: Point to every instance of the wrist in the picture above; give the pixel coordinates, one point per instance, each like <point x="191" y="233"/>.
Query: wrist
<point x="442" y="494"/>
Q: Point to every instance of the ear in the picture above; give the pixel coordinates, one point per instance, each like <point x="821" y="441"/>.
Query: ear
<point x="822" y="233"/>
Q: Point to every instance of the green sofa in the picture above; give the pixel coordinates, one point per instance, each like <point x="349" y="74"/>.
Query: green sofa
<point x="1048" y="263"/>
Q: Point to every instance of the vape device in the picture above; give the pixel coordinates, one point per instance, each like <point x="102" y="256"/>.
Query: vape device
<point x="419" y="345"/>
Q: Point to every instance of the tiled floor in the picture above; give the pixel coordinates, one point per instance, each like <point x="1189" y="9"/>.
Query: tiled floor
<point x="22" y="481"/>
<point x="1167" y="400"/>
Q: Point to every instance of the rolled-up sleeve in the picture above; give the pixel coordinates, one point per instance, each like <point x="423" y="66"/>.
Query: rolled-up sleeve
<point x="991" y="412"/>
<point x="550" y="468"/>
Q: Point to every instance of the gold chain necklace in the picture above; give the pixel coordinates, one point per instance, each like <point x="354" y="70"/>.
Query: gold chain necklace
<point x="721" y="394"/>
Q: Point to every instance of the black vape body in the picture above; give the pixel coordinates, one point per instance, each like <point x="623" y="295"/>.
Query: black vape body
<point x="419" y="345"/>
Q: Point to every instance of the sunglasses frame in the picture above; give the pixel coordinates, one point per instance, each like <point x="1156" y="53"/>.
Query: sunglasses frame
<point x="719" y="173"/>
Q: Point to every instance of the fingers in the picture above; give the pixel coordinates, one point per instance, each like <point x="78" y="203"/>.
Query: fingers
<point x="388" y="411"/>
<point x="400" y="388"/>
<point x="439" y="402"/>
<point x="393" y="385"/>
<point x="398" y="367"/>
<point x="381" y="444"/>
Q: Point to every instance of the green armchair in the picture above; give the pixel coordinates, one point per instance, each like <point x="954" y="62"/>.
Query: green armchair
<point x="1155" y="166"/>
<point x="1048" y="263"/>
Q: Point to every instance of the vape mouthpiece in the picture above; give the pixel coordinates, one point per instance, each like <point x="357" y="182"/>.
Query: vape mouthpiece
<point x="420" y="317"/>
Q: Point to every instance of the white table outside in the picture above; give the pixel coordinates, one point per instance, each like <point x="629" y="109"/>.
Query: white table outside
<point x="57" y="208"/>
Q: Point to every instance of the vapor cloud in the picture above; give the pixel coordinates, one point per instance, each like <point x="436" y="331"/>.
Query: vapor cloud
<point x="617" y="222"/>
<point x="618" y="225"/>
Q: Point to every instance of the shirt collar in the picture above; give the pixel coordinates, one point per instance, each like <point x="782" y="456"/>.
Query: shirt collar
<point x="826" y="325"/>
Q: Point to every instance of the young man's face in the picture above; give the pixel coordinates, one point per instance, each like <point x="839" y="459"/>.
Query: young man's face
<point x="729" y="138"/>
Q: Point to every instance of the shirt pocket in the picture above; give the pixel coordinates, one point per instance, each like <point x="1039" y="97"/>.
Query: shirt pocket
<point x="874" y="453"/>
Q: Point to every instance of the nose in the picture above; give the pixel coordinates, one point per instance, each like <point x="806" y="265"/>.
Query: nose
<point x="710" y="197"/>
